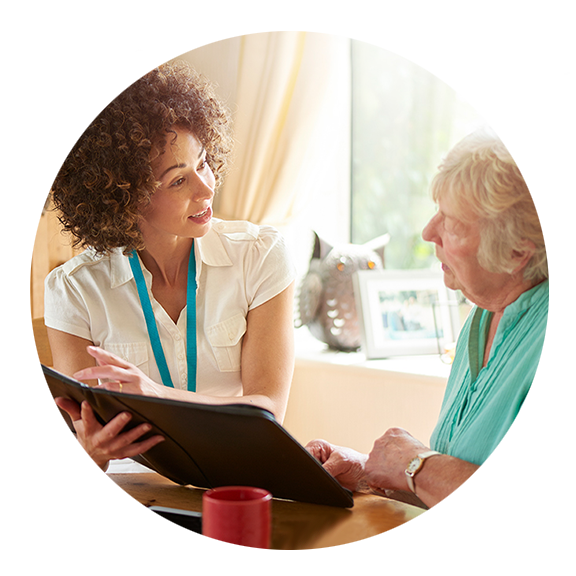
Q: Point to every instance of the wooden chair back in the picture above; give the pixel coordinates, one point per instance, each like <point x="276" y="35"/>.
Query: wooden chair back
<point x="42" y="344"/>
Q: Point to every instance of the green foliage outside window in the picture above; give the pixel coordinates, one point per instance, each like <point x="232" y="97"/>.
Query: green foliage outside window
<point x="404" y="120"/>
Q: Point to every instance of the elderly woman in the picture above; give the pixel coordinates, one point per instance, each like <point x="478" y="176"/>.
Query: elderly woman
<point x="166" y="300"/>
<point x="489" y="241"/>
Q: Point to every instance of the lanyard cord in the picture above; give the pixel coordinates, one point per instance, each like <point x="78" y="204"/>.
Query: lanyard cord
<point x="191" y="352"/>
<point x="153" y="328"/>
<point x="477" y="342"/>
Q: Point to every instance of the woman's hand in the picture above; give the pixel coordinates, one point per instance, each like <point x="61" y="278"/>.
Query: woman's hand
<point x="105" y="443"/>
<point x="386" y="464"/>
<point x="391" y="454"/>
<point x="121" y="376"/>
<point x="345" y="464"/>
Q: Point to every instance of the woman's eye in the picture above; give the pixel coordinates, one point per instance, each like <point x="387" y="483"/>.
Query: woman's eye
<point x="178" y="182"/>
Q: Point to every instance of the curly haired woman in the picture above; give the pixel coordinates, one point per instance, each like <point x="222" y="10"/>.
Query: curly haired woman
<point x="166" y="300"/>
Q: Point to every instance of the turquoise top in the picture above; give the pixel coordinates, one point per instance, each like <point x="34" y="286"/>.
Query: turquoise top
<point x="480" y="404"/>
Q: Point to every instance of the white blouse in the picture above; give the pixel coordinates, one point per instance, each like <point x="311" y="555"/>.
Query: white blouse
<point x="239" y="266"/>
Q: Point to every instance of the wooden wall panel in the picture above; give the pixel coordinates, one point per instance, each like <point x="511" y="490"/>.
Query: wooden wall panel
<point x="51" y="248"/>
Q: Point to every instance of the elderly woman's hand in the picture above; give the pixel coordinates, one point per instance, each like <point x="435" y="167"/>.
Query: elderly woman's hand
<point x="386" y="464"/>
<point x="105" y="443"/>
<point x="121" y="376"/>
<point x="345" y="464"/>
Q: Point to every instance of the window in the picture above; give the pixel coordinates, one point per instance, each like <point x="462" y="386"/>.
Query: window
<point x="404" y="120"/>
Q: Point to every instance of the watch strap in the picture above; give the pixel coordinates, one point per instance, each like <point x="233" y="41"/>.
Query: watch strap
<point x="410" y="474"/>
<point x="427" y="454"/>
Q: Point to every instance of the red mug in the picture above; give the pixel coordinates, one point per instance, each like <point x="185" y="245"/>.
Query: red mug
<point x="238" y="515"/>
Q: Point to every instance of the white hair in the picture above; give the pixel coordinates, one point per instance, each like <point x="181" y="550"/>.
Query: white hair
<point x="480" y="174"/>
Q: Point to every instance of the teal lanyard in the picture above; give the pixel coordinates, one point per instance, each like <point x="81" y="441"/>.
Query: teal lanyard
<point x="477" y="342"/>
<point x="476" y="346"/>
<point x="191" y="351"/>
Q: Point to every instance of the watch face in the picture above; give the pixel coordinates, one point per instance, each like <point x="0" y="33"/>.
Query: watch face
<point x="414" y="464"/>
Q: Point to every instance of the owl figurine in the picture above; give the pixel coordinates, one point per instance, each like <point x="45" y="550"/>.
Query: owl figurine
<point x="326" y="301"/>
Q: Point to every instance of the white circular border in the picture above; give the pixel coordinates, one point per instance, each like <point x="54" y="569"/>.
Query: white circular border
<point x="430" y="530"/>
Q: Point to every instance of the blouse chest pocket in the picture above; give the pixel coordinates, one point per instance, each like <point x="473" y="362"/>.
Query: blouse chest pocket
<point x="226" y="341"/>
<point x="134" y="352"/>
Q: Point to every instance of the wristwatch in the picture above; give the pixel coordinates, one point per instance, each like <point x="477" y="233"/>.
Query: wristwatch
<point x="415" y="465"/>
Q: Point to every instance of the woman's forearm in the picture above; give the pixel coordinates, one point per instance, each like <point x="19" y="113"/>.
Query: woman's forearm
<point x="440" y="476"/>
<point x="276" y="406"/>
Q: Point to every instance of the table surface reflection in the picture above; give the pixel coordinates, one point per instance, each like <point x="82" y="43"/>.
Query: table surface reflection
<point x="295" y="525"/>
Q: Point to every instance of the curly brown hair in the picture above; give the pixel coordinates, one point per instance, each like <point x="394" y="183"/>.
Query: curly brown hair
<point x="107" y="179"/>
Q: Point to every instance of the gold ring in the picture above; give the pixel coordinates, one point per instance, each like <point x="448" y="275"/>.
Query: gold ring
<point x="120" y="384"/>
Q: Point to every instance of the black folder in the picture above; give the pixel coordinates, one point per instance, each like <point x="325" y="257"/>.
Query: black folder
<point x="208" y="446"/>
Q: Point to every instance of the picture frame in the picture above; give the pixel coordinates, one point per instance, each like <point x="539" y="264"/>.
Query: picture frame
<point x="405" y="312"/>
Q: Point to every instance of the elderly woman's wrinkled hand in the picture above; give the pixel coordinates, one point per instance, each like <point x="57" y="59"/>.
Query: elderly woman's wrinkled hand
<point x="386" y="464"/>
<point x="120" y="375"/>
<point x="345" y="464"/>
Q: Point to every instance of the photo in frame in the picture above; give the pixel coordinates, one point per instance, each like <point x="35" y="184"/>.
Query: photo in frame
<point x="405" y="312"/>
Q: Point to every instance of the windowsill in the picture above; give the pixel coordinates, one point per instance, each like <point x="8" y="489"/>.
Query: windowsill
<point x="309" y="349"/>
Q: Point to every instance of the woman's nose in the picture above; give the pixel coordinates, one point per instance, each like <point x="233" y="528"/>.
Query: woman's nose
<point x="430" y="232"/>
<point x="203" y="188"/>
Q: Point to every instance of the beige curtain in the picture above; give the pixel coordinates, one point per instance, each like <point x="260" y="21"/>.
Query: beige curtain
<point x="285" y="80"/>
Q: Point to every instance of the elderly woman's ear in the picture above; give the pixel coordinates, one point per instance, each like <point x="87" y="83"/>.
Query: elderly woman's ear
<point x="520" y="258"/>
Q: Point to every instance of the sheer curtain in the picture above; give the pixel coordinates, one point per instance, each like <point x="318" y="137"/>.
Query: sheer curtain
<point x="289" y="121"/>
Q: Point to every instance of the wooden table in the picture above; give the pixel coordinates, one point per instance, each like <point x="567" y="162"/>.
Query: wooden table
<point x="295" y="525"/>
